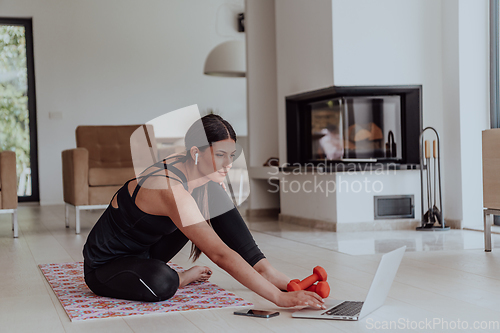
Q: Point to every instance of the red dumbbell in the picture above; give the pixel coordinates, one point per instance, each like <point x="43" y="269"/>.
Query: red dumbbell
<point x="319" y="274"/>
<point x="288" y="285"/>
<point x="322" y="289"/>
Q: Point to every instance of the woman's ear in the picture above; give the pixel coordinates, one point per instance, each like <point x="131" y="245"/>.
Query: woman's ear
<point x="194" y="151"/>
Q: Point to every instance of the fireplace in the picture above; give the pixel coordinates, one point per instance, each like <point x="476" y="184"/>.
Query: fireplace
<point x="340" y="125"/>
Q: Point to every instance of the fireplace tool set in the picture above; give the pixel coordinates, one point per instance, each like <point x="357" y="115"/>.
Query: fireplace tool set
<point x="430" y="173"/>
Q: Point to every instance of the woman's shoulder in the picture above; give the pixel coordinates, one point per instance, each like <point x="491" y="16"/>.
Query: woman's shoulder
<point x="164" y="168"/>
<point x="172" y="165"/>
<point x="175" y="157"/>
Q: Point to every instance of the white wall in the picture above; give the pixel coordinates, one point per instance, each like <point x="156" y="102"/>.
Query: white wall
<point x="261" y="80"/>
<point x="452" y="179"/>
<point x="261" y="96"/>
<point x="466" y="106"/>
<point x="390" y="42"/>
<point x="303" y="52"/>
<point x="120" y="62"/>
<point x="304" y="62"/>
<point x="474" y="104"/>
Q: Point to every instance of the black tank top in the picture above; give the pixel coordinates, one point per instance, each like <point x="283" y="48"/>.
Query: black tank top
<point x="127" y="230"/>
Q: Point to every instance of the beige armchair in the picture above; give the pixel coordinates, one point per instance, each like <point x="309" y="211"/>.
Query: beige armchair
<point x="8" y="187"/>
<point x="491" y="181"/>
<point x="98" y="167"/>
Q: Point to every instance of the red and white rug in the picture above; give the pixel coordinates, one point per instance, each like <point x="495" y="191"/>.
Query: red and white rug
<point x="81" y="304"/>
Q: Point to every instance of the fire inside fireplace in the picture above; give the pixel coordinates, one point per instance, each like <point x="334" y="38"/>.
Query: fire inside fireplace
<point x="345" y="124"/>
<point x="356" y="127"/>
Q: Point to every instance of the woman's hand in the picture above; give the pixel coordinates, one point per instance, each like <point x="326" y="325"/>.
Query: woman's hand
<point x="300" y="297"/>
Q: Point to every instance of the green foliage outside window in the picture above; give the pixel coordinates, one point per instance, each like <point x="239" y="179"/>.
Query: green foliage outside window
<point x="14" y="115"/>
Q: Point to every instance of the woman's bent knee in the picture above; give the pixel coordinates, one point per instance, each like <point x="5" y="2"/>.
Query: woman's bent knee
<point x="165" y="282"/>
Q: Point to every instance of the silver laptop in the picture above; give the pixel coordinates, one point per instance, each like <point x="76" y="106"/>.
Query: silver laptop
<point x="351" y="310"/>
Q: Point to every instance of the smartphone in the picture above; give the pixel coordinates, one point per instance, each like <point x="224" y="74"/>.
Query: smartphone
<point x="257" y="313"/>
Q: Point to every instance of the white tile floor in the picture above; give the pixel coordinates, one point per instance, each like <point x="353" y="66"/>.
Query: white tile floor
<point x="443" y="277"/>
<point x="369" y="242"/>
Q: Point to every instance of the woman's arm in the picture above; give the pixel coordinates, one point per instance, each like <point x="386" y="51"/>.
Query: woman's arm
<point x="271" y="274"/>
<point x="187" y="218"/>
<point x="234" y="232"/>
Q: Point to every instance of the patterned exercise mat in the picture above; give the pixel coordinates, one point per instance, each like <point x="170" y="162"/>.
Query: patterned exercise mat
<point x="81" y="304"/>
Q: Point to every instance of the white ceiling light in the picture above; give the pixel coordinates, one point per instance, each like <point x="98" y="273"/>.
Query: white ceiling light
<point x="227" y="59"/>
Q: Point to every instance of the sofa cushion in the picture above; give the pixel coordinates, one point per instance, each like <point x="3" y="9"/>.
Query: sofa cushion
<point x="109" y="146"/>
<point x="110" y="176"/>
<point x="101" y="195"/>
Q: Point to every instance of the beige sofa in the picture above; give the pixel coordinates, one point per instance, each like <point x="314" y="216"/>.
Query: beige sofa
<point x="98" y="167"/>
<point x="8" y="187"/>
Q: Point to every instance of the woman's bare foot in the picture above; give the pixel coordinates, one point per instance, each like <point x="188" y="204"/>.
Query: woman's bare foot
<point x="194" y="274"/>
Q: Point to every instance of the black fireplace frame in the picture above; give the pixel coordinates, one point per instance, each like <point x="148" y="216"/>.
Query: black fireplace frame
<point x="298" y="120"/>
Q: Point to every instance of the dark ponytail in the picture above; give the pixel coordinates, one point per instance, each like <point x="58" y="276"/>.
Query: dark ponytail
<point x="210" y="128"/>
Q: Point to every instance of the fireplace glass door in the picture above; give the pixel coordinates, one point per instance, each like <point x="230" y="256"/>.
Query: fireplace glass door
<point x="356" y="128"/>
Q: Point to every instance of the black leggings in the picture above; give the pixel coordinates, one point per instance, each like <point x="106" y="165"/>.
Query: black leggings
<point x="150" y="279"/>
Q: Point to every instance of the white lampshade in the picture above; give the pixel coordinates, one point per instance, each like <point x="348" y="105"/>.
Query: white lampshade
<point x="227" y="59"/>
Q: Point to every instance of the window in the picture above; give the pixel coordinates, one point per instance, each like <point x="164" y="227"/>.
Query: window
<point x="17" y="102"/>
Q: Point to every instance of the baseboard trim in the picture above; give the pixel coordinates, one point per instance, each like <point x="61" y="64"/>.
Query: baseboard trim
<point x="493" y="231"/>
<point x="453" y="224"/>
<point x="379" y="225"/>
<point x="312" y="223"/>
<point x="263" y="212"/>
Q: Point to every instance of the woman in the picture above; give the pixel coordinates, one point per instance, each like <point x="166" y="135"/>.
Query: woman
<point x="151" y="218"/>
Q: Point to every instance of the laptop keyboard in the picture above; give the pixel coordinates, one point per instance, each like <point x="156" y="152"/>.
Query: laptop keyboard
<point x="346" y="308"/>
